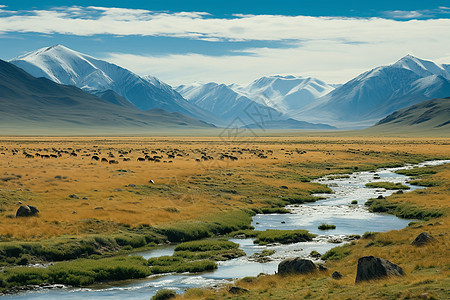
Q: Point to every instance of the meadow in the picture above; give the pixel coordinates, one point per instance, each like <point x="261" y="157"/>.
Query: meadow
<point x="100" y="197"/>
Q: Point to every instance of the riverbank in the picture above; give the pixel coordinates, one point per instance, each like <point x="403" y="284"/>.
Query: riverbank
<point x="427" y="267"/>
<point x="205" y="199"/>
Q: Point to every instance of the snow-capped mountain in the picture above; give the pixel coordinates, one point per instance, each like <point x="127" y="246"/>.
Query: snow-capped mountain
<point x="285" y="93"/>
<point x="377" y="93"/>
<point x="225" y="102"/>
<point x="65" y="66"/>
<point x="240" y="111"/>
<point x="421" y="67"/>
<point x="32" y="105"/>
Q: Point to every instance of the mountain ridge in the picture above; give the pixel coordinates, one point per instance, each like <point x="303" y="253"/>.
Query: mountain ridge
<point x="30" y="104"/>
<point x="66" y="66"/>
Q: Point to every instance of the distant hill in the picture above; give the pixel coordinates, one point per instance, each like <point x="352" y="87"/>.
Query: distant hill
<point x="30" y="105"/>
<point x="290" y="124"/>
<point x="379" y="92"/>
<point x="429" y="116"/>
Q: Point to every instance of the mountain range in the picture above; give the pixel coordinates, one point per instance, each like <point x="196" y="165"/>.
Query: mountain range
<point x="270" y="102"/>
<point x="364" y="100"/>
<point x="66" y="66"/>
<point x="39" y="105"/>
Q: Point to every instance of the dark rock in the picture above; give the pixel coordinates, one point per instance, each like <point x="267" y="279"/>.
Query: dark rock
<point x="27" y="211"/>
<point x="296" y="265"/>
<point x="99" y="207"/>
<point x="322" y="268"/>
<point x="423" y="239"/>
<point x="336" y="275"/>
<point x="74" y="196"/>
<point x="237" y="290"/>
<point x="370" y="267"/>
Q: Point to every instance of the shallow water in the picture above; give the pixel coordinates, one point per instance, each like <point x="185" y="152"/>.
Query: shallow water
<point x="336" y="209"/>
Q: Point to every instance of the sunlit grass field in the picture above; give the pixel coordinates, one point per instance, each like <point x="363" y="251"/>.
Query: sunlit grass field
<point x="183" y="189"/>
<point x="205" y="186"/>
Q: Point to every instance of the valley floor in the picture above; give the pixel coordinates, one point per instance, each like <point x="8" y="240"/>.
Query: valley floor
<point x="149" y="191"/>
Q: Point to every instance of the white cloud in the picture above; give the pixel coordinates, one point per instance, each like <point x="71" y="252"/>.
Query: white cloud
<point x="331" y="48"/>
<point x="331" y="61"/>
<point x="403" y="14"/>
<point x="121" y="21"/>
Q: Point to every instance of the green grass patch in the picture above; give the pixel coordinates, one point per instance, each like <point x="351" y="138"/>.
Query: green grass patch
<point x="209" y="249"/>
<point x="177" y="264"/>
<point x="333" y="177"/>
<point x="194" y="230"/>
<point x="324" y="226"/>
<point x="415" y="172"/>
<point x="402" y="210"/>
<point x="283" y="236"/>
<point x="78" y="272"/>
<point x="387" y="185"/>
<point x="274" y="210"/>
<point x="337" y="253"/>
<point x="68" y="248"/>
<point x="164" y="294"/>
<point x="300" y="199"/>
<point x="426" y="182"/>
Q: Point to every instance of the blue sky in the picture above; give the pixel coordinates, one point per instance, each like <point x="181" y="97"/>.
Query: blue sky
<point x="237" y="41"/>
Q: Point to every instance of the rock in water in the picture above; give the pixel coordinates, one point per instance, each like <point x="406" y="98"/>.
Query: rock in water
<point x="370" y="267"/>
<point x="296" y="266"/>
<point x="26" y="211"/>
<point x="423" y="239"/>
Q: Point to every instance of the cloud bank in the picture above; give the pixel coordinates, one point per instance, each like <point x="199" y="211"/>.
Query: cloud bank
<point x="331" y="48"/>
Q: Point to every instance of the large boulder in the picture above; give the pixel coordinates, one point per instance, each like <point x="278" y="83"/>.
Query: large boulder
<point x="296" y="266"/>
<point x="370" y="267"/>
<point x="26" y="211"/>
<point x="423" y="239"/>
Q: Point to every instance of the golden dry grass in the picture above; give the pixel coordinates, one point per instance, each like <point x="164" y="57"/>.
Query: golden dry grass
<point x="47" y="183"/>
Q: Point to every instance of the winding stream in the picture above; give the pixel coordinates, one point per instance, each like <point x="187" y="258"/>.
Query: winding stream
<point x="335" y="209"/>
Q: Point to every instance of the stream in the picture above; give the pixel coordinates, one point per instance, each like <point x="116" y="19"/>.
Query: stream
<point x="335" y="209"/>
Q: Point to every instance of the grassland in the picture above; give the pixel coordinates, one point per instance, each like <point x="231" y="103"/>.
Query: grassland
<point x="427" y="268"/>
<point x="91" y="210"/>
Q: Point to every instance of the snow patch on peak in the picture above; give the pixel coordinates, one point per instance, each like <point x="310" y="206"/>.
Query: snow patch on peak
<point x="421" y="67"/>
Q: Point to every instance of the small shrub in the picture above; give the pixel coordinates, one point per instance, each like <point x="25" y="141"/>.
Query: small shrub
<point x="387" y="185"/>
<point x="283" y="236"/>
<point x="336" y="253"/>
<point x="369" y="235"/>
<point x="324" y="226"/>
<point x="354" y="202"/>
<point x="164" y="295"/>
